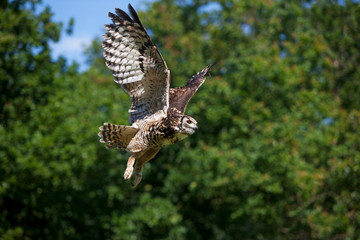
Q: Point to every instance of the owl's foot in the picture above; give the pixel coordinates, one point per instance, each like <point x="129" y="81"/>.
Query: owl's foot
<point x="129" y="167"/>
<point x="128" y="173"/>
<point x="137" y="179"/>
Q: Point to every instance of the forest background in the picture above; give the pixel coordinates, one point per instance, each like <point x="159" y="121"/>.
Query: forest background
<point x="276" y="156"/>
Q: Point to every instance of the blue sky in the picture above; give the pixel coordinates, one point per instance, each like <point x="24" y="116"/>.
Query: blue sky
<point x="90" y="17"/>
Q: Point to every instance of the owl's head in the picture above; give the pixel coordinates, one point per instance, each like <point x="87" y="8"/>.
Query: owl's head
<point x="188" y="125"/>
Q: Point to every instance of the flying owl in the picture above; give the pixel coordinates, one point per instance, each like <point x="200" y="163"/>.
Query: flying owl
<point x="157" y="111"/>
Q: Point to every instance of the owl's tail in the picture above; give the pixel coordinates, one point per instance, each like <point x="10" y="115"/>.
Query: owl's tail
<point x="118" y="136"/>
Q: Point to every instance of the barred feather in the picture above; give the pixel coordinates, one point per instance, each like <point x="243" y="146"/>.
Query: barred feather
<point x="136" y="64"/>
<point x="118" y="136"/>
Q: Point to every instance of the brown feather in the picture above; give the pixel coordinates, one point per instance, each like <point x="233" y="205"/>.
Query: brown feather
<point x="137" y="65"/>
<point x="118" y="136"/>
<point x="180" y="97"/>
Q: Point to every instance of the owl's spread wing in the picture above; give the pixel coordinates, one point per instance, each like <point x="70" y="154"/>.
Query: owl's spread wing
<point x="179" y="97"/>
<point x="137" y="65"/>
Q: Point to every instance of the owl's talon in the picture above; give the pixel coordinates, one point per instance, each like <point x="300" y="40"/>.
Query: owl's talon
<point x="137" y="180"/>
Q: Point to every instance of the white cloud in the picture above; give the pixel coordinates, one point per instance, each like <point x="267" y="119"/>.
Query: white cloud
<point x="71" y="45"/>
<point x="72" y="48"/>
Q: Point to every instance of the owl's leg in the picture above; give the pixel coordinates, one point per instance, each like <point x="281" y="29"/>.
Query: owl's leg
<point x="129" y="167"/>
<point x="147" y="156"/>
<point x="130" y="164"/>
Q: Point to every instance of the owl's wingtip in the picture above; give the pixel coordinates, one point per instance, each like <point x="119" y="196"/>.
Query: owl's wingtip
<point x="211" y="65"/>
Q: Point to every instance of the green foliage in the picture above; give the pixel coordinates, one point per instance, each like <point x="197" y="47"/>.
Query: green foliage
<point x="25" y="64"/>
<point x="276" y="156"/>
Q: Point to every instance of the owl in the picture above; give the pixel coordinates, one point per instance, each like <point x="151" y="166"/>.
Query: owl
<point x="157" y="111"/>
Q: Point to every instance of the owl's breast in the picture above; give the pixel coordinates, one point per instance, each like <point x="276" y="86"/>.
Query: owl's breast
<point x="166" y="132"/>
<point x="177" y="137"/>
<point x="162" y="131"/>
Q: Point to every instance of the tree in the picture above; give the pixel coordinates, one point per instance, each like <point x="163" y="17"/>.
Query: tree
<point x="26" y="67"/>
<point x="277" y="132"/>
<point x="276" y="155"/>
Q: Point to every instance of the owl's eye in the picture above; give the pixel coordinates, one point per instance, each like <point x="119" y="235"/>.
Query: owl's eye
<point x="188" y="121"/>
